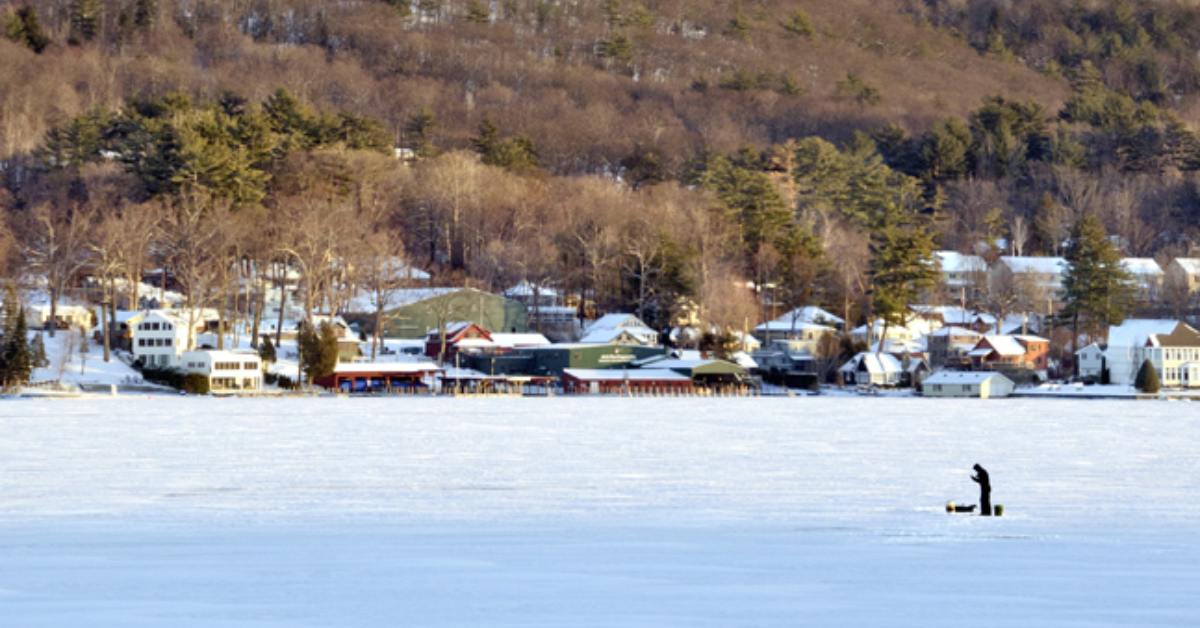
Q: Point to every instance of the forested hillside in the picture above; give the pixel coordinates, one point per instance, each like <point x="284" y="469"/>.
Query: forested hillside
<point x="632" y="152"/>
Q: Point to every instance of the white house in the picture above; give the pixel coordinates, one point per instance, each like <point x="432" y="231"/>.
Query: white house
<point x="1040" y="273"/>
<point x="1147" y="276"/>
<point x="37" y="316"/>
<point x="1126" y="344"/>
<point x="960" y="272"/>
<point x="981" y="384"/>
<point x="792" y="330"/>
<point x="1183" y="274"/>
<point x="160" y="338"/>
<point x="877" y="369"/>
<point x="619" y="329"/>
<point x="871" y="334"/>
<point x="1175" y="354"/>
<point x="813" y="315"/>
<point x="227" y="371"/>
<point x="1090" y="361"/>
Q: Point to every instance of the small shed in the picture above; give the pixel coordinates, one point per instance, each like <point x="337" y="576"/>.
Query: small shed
<point x="981" y="384"/>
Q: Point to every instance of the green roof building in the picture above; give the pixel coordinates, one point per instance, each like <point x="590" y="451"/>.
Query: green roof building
<point x="419" y="310"/>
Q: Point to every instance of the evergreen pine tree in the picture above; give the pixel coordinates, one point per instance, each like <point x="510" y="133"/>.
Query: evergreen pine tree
<point x="1097" y="287"/>
<point x="738" y="27"/>
<point x="1147" y="378"/>
<point x="145" y="12"/>
<point x="308" y="344"/>
<point x="37" y="350"/>
<point x="16" y="362"/>
<point x="327" y="349"/>
<point x="477" y="12"/>
<point x="420" y="132"/>
<point x="266" y="350"/>
<point x="24" y="27"/>
<point x="489" y="137"/>
<point x="85" y="20"/>
<point x="799" y="24"/>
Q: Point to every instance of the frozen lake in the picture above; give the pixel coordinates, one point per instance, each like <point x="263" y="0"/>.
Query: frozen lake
<point x="596" y="512"/>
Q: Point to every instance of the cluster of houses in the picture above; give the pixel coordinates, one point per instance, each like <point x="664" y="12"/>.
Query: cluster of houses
<point x="967" y="275"/>
<point x="467" y="339"/>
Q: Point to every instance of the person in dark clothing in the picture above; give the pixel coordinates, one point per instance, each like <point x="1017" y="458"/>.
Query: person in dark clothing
<point x="985" y="490"/>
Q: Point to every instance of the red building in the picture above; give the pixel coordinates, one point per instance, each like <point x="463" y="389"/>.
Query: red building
<point x="622" y="381"/>
<point x="460" y="336"/>
<point x="380" y="377"/>
<point x="1021" y="351"/>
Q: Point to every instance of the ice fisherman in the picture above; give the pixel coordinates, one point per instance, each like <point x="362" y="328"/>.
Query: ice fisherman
<point x="985" y="490"/>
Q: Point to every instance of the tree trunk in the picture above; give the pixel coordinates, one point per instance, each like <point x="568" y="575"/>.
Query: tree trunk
<point x="377" y="333"/>
<point x="53" y="310"/>
<point x="220" y="327"/>
<point x="256" y="321"/>
<point x="282" y="304"/>
<point x="106" y="306"/>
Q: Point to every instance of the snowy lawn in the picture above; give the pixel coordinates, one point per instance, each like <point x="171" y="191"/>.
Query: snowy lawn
<point x="596" y="512"/>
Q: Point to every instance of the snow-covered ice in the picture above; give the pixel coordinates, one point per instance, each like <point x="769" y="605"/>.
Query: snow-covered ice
<point x="169" y="511"/>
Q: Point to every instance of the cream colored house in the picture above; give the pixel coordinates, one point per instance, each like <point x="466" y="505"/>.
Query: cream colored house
<point x="1184" y="273"/>
<point x="981" y="384"/>
<point x="1175" y="355"/>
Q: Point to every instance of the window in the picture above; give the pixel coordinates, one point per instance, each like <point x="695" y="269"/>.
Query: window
<point x="141" y="342"/>
<point x="249" y="366"/>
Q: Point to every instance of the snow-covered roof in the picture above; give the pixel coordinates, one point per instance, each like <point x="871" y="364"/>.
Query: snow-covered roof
<point x="744" y="360"/>
<point x="809" y="314"/>
<point x="364" y="300"/>
<point x="217" y="354"/>
<point x="1030" y="338"/>
<point x="1143" y="266"/>
<point x="619" y="375"/>
<point x="683" y="363"/>
<point x="956" y="331"/>
<point x="606" y="336"/>
<point x="511" y="340"/>
<point x="467" y="343"/>
<point x="898" y="346"/>
<point x="1005" y="345"/>
<point x="1135" y="332"/>
<point x="961" y="377"/>
<point x="1190" y="265"/>
<point x="787" y="326"/>
<point x="953" y="314"/>
<point x="955" y="262"/>
<point x="617" y="321"/>
<point x="1039" y="265"/>
<point x="874" y="363"/>
<point x="386" y="367"/>
<point x="526" y="289"/>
